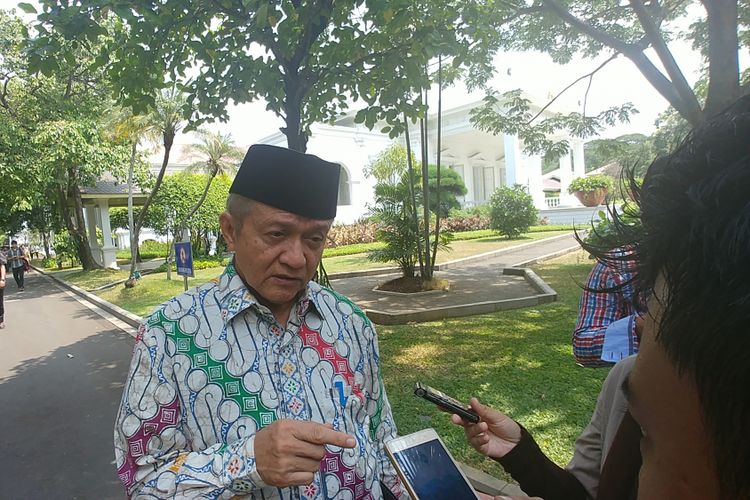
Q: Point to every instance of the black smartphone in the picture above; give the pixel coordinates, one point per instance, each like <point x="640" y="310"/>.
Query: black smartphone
<point x="446" y="402"/>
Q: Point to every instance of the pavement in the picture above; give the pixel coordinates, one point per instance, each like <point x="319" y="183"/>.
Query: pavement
<point x="62" y="368"/>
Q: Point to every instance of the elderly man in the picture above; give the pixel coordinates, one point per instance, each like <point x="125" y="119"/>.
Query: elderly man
<point x="262" y="383"/>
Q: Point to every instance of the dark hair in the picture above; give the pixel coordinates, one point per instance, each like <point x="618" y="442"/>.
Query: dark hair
<point x="695" y="213"/>
<point x="14" y="241"/>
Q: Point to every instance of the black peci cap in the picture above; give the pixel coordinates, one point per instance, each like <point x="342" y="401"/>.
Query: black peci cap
<point x="289" y="180"/>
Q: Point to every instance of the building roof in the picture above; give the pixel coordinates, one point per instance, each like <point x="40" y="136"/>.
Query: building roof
<point x="115" y="192"/>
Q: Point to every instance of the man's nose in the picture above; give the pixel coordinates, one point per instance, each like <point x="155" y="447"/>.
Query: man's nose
<point x="294" y="254"/>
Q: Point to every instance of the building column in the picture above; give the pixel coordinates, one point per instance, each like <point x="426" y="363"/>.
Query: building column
<point x="109" y="251"/>
<point x="536" y="189"/>
<point x="89" y="213"/>
<point x="566" y="175"/>
<point x="514" y="168"/>
<point x="468" y="174"/>
<point x="579" y="162"/>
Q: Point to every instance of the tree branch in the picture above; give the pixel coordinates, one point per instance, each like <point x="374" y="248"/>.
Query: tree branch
<point x="633" y="52"/>
<point x="667" y="59"/>
<point x="588" y="75"/>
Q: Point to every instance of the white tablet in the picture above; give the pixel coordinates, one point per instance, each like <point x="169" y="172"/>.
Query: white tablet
<point x="427" y="469"/>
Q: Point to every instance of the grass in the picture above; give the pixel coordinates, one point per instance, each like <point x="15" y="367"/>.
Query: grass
<point x="518" y="361"/>
<point x="98" y="277"/>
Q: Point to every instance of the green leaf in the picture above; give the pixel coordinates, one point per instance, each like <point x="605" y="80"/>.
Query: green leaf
<point x="27" y="8"/>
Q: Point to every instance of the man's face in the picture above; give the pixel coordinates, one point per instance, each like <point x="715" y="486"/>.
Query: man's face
<point x="276" y="252"/>
<point x="675" y="445"/>
<point x="14" y="245"/>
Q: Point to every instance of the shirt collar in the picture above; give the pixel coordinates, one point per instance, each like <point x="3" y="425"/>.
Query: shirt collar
<point x="234" y="296"/>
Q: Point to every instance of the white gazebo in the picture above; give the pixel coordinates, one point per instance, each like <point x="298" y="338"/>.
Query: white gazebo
<point x="97" y="201"/>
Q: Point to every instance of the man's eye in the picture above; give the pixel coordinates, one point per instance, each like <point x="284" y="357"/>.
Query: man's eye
<point x="276" y="234"/>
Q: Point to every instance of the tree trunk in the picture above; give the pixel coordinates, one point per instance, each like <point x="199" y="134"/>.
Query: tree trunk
<point x="45" y="243"/>
<point x="168" y="142"/>
<point x="133" y="235"/>
<point x="723" y="58"/>
<point x="437" y="149"/>
<point x="74" y="221"/>
<point x="195" y="208"/>
<point x="296" y="139"/>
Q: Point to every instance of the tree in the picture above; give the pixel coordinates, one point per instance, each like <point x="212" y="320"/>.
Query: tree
<point x="54" y="140"/>
<point x="305" y="59"/>
<point x="389" y="165"/>
<point x="160" y="124"/>
<point x="589" y="28"/>
<point x="219" y="157"/>
<point x="626" y="150"/>
<point x="451" y="187"/>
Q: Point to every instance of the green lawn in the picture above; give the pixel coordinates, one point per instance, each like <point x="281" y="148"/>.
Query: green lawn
<point x="519" y="361"/>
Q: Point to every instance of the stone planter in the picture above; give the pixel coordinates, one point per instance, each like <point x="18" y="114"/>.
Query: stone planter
<point x="592" y="198"/>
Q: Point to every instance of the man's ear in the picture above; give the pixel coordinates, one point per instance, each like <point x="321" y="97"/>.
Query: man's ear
<point x="228" y="229"/>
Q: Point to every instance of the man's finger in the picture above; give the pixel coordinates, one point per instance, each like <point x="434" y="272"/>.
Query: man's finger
<point x="299" y="479"/>
<point x="316" y="433"/>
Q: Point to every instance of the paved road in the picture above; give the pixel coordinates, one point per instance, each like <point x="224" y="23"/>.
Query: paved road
<point x="58" y="411"/>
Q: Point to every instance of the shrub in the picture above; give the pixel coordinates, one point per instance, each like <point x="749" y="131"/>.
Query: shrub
<point x="350" y="234"/>
<point x="48" y="263"/>
<point x="512" y="211"/>
<point x="198" y="264"/>
<point x="462" y="223"/>
<point x="591" y="183"/>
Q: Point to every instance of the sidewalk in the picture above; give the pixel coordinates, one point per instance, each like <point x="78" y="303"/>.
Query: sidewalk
<point x="62" y="369"/>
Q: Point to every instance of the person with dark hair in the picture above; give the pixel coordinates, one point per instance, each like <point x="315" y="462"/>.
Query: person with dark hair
<point x="17" y="258"/>
<point x="261" y="384"/>
<point x="2" y="289"/>
<point x="685" y="432"/>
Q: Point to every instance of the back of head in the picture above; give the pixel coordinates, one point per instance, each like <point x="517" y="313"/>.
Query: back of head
<point x="695" y="212"/>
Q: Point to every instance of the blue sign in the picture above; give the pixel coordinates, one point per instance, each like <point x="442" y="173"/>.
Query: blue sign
<point x="184" y="256"/>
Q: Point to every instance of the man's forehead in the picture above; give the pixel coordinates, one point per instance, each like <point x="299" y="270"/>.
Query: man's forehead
<point x="266" y="214"/>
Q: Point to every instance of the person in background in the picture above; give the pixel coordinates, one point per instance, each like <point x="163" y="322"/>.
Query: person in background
<point x="2" y="289"/>
<point x="609" y="321"/>
<point x="17" y="258"/>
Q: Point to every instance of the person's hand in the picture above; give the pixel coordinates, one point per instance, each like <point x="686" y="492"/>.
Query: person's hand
<point x="495" y="434"/>
<point x="288" y="452"/>
<point x="2" y="283"/>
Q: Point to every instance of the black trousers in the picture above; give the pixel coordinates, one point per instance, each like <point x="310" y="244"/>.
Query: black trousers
<point x="2" y="307"/>
<point x="18" y="276"/>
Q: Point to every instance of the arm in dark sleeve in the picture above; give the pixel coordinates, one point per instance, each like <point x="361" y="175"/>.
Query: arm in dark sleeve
<point x="538" y="475"/>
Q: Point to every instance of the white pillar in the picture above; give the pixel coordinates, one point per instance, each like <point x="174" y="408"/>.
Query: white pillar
<point x="89" y="213"/>
<point x="471" y="193"/>
<point x="566" y="175"/>
<point x="579" y="163"/>
<point x="514" y="168"/>
<point x="109" y="251"/>
<point x="536" y="189"/>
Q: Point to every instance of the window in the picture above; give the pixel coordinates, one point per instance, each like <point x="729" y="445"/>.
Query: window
<point x="344" y="189"/>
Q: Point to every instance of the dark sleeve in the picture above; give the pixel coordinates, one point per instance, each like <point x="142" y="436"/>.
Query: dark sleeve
<point x="538" y="475"/>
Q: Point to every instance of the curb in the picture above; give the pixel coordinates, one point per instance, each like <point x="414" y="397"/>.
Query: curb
<point x="446" y="265"/>
<point x="116" y="311"/>
<point x="545" y="294"/>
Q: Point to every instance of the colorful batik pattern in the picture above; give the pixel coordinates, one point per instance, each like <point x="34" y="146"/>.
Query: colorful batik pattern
<point x="212" y="366"/>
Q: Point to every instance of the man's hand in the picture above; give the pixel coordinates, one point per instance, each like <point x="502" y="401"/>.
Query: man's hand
<point x="495" y="434"/>
<point x="288" y="452"/>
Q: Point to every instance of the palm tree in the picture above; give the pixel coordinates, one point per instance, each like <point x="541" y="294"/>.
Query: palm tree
<point x="219" y="156"/>
<point x="163" y="123"/>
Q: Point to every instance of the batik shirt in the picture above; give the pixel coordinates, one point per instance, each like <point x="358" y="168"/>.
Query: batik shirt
<point x="213" y="366"/>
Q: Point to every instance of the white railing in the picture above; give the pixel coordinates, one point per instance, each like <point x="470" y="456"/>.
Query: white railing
<point x="552" y="201"/>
